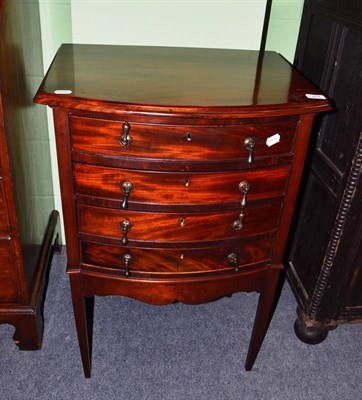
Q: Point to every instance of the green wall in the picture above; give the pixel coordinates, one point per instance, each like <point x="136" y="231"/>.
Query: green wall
<point x="196" y="23"/>
<point x="56" y="28"/>
<point x="26" y="126"/>
<point x="284" y="27"/>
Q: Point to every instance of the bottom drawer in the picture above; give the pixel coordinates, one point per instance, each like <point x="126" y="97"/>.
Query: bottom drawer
<point x="164" y="260"/>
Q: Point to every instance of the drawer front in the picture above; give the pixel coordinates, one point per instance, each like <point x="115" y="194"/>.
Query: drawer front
<point x="9" y="290"/>
<point x="177" y="227"/>
<point x="180" y="188"/>
<point x="179" y="142"/>
<point x="163" y="260"/>
<point x="4" y="220"/>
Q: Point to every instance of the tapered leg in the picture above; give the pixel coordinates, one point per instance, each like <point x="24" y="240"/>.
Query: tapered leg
<point x="83" y="308"/>
<point x="263" y="316"/>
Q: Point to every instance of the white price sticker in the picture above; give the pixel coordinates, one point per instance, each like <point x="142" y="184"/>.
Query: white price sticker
<point x="63" y="91"/>
<point x="315" y="96"/>
<point x="272" y="140"/>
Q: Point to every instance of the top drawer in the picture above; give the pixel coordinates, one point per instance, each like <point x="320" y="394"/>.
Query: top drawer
<point x="181" y="142"/>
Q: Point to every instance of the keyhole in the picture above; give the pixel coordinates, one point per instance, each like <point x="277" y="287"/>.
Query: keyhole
<point x="187" y="182"/>
<point x="188" y="136"/>
<point x="182" y="222"/>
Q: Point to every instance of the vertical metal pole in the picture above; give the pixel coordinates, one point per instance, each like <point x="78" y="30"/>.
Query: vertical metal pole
<point x="261" y="51"/>
<point x="265" y="25"/>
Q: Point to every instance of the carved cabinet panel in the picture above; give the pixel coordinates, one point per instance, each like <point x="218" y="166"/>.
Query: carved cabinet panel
<point x="325" y="259"/>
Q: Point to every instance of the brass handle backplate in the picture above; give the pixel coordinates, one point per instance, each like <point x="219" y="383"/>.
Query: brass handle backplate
<point x="127" y="260"/>
<point x="127" y="188"/>
<point x="233" y="260"/>
<point x="125" y="225"/>
<point x="125" y="138"/>
<point x="249" y="145"/>
<point x="244" y="187"/>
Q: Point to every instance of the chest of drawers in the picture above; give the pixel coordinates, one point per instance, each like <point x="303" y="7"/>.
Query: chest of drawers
<point x="27" y="229"/>
<point x="179" y="170"/>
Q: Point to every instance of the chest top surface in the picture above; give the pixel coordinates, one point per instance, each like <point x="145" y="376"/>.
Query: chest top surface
<point x="175" y="79"/>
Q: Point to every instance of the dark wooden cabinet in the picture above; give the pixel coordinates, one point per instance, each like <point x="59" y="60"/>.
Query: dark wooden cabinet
<point x="24" y="252"/>
<point x="179" y="170"/>
<point x="325" y="263"/>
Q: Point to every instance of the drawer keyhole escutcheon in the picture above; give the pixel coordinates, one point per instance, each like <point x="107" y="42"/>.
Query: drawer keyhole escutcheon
<point x="182" y="222"/>
<point x="244" y="187"/>
<point x="238" y="224"/>
<point x="127" y="260"/>
<point x="127" y="188"/>
<point x="188" y="136"/>
<point x="233" y="260"/>
<point x="125" y="139"/>
<point x="187" y="182"/>
<point x="125" y="225"/>
<point x="249" y="145"/>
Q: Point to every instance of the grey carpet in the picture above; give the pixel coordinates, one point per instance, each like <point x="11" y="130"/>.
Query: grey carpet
<point x="178" y="352"/>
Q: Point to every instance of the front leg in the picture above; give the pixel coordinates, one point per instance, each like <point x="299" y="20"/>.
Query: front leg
<point x="83" y="308"/>
<point x="264" y="313"/>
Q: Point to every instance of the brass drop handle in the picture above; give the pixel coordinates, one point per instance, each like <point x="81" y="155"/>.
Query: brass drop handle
<point x="127" y="260"/>
<point x="125" y="225"/>
<point x="249" y="145"/>
<point x="238" y="224"/>
<point x="127" y="188"/>
<point x="244" y="187"/>
<point x="125" y="138"/>
<point x="233" y="260"/>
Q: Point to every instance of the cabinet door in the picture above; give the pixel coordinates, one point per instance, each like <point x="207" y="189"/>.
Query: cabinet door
<point x="330" y="54"/>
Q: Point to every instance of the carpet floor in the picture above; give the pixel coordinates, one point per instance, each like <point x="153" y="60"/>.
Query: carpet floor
<point x="178" y="351"/>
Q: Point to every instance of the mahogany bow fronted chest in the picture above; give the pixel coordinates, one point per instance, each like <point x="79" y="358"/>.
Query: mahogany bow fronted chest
<point x="179" y="170"/>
